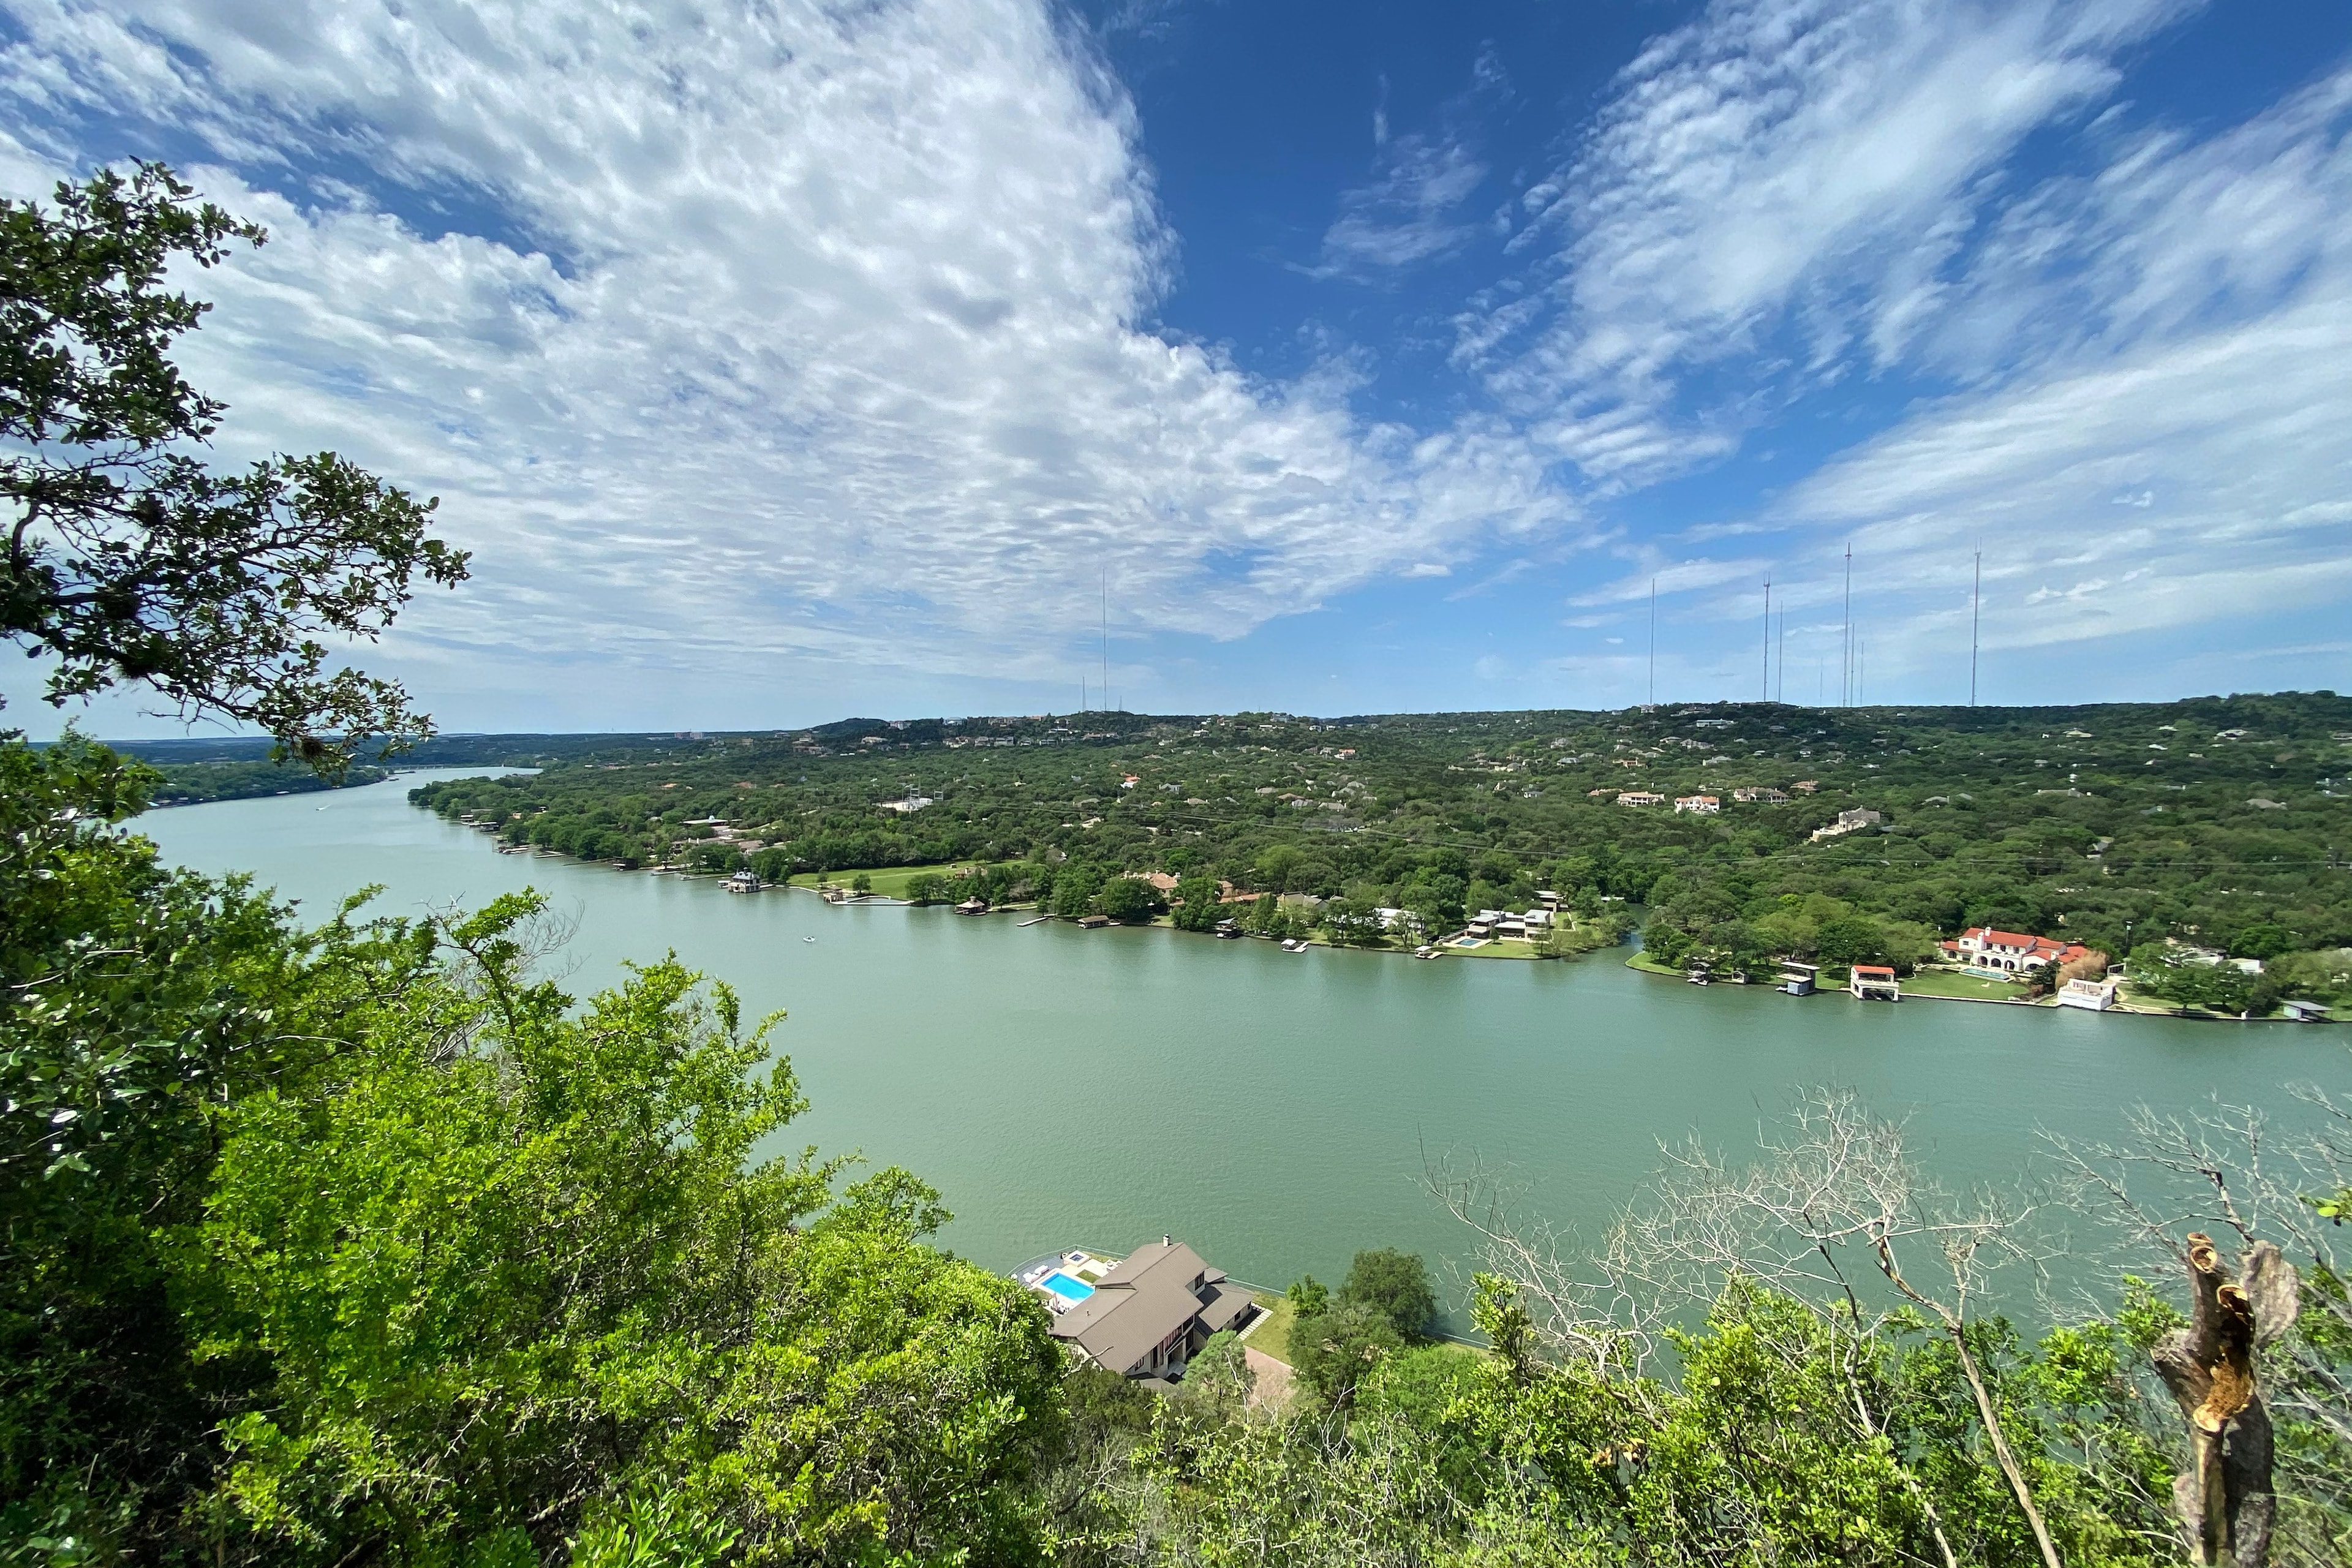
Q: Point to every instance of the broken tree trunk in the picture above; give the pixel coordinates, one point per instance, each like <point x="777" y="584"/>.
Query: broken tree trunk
<point x="2225" y="1496"/>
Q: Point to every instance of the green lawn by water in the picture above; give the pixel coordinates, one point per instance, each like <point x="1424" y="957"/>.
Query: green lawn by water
<point x="1946" y="983"/>
<point x="889" y="881"/>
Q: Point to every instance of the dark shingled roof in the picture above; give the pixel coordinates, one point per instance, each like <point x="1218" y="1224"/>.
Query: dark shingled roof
<point x="1145" y="1301"/>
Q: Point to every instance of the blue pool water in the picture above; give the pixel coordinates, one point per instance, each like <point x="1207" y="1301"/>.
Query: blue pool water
<point x="1067" y="1288"/>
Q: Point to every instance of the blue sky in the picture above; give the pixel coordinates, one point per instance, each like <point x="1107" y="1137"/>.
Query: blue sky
<point x="784" y="361"/>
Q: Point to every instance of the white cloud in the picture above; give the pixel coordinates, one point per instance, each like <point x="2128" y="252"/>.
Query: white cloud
<point x="1770" y="166"/>
<point x="756" y="333"/>
<point x="1410" y="213"/>
<point x="2184" y="455"/>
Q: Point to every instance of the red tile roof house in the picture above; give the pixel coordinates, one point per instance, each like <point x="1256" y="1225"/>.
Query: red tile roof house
<point x="1984" y="951"/>
<point x="1150" y="1314"/>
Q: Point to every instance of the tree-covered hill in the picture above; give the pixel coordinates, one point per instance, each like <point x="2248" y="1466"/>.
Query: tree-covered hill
<point x="2224" y="821"/>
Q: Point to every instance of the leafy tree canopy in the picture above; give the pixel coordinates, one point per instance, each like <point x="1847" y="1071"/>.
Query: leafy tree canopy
<point x="128" y="558"/>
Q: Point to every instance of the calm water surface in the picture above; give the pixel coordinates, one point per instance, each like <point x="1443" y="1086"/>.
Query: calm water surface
<point x="1066" y="1086"/>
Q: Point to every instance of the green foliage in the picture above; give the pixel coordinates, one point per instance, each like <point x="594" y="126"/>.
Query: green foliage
<point x="2170" y="972"/>
<point x="1127" y="899"/>
<point x="1218" y="1381"/>
<point x="1198" y="904"/>
<point x="138" y="1001"/>
<point x="131" y="558"/>
<point x="548" y="1268"/>
<point x="2056" y="820"/>
<point x="1394" y="1285"/>
<point x="1334" y="1350"/>
<point x="190" y="784"/>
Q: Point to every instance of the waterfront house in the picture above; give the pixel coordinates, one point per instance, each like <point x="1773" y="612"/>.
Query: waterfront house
<point x="2003" y="954"/>
<point x="972" y="907"/>
<point x="1094" y="922"/>
<point x="1149" y="1314"/>
<point x="2305" y="1012"/>
<point x="1699" y="804"/>
<point x="743" y="882"/>
<point x="1874" y="983"/>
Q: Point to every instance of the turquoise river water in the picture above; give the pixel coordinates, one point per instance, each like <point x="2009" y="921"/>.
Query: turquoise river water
<point x="1066" y="1086"/>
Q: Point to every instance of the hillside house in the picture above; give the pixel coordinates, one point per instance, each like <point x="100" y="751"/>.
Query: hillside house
<point x="1756" y="795"/>
<point x="1848" y="822"/>
<point x="1148" y="1315"/>
<point x="1640" y="797"/>
<point x="1698" y="804"/>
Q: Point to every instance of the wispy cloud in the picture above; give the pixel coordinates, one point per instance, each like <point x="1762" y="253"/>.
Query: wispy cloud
<point x="1768" y="187"/>
<point x="792" y="333"/>
<point x="1412" y="212"/>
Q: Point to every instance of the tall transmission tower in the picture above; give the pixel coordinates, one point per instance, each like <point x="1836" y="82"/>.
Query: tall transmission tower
<point x="1653" y="642"/>
<point x="1976" y="617"/>
<point x="1845" y="674"/>
<point x="1767" y="639"/>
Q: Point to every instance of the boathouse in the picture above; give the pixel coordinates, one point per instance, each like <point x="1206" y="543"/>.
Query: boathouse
<point x="1875" y="983"/>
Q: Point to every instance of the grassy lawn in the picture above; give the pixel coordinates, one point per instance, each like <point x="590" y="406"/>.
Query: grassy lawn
<point x="1500" y="947"/>
<point x="1946" y="983"/>
<point x="890" y="882"/>
<point x="1642" y="962"/>
<point x="1272" y="1336"/>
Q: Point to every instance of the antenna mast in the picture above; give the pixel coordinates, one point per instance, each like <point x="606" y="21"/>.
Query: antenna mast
<point x="1845" y="676"/>
<point x="1767" y="639"/>
<point x="1106" y="680"/>
<point x="1653" y="642"/>
<point x="1976" y="617"/>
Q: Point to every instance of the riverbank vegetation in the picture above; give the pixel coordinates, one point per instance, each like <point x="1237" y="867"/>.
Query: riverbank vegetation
<point x="1864" y="836"/>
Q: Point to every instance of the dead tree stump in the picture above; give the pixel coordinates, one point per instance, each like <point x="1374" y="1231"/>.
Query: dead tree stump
<point x="2225" y="1496"/>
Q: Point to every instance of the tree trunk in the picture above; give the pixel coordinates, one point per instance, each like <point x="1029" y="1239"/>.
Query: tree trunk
<point x="2224" y="1497"/>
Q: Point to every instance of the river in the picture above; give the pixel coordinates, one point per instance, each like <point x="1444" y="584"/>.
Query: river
<point x="1064" y="1086"/>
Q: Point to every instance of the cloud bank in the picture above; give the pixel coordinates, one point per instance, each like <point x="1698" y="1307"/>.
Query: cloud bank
<point x="742" y="330"/>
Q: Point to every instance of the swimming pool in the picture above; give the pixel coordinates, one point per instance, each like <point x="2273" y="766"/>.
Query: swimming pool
<point x="1067" y="1288"/>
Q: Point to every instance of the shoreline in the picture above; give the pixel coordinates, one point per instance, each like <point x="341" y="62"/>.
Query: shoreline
<point x="2037" y="1005"/>
<point x="1444" y="950"/>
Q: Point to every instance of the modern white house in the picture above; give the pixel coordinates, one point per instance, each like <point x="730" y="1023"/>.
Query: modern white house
<point x="2095" y="996"/>
<point x="1847" y="822"/>
<point x="1700" y="804"/>
<point x="1639" y="798"/>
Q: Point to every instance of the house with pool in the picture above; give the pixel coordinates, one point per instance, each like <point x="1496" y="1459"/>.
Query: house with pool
<point x="1142" y="1316"/>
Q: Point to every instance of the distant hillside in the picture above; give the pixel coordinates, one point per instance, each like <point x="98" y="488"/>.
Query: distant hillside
<point x="2224" y="821"/>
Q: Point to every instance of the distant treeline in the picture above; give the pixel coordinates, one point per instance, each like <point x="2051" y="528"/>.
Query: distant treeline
<point x="2216" y="822"/>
